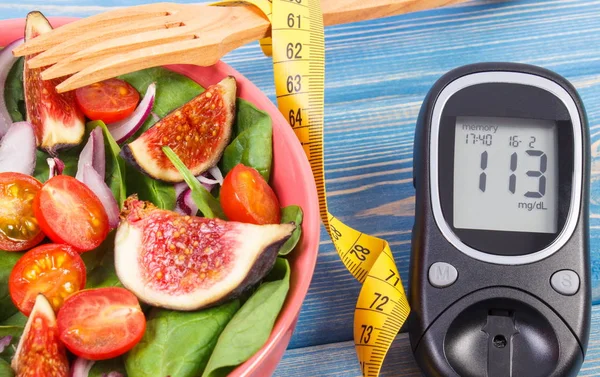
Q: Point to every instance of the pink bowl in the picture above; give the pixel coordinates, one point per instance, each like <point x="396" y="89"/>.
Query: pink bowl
<point x="293" y="182"/>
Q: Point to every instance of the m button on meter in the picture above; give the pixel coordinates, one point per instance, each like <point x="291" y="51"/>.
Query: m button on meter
<point x="442" y="274"/>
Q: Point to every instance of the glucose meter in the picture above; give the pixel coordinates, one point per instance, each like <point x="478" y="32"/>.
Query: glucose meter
<point x="500" y="276"/>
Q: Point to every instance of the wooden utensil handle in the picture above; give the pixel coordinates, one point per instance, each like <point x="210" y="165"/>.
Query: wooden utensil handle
<point x="346" y="11"/>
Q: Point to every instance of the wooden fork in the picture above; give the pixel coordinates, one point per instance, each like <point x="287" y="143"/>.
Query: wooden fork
<point x="129" y="39"/>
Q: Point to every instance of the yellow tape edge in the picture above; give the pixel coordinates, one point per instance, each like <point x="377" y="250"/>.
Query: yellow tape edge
<point x="382" y="306"/>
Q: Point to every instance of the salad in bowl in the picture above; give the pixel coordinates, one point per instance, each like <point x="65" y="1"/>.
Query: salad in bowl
<point x="160" y="223"/>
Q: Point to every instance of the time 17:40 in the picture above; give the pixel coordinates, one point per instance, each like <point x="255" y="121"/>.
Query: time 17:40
<point x="472" y="138"/>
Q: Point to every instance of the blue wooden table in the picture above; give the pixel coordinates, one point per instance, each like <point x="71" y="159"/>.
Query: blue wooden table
<point x="377" y="75"/>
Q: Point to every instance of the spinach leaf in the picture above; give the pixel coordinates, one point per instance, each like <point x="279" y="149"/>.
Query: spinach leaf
<point x="172" y="91"/>
<point x="17" y="319"/>
<point x="5" y="369"/>
<point x="162" y="194"/>
<point x="252" y="143"/>
<point x="207" y="204"/>
<point x="69" y="157"/>
<point x="15" y="332"/>
<point x="14" y="96"/>
<point x="291" y="214"/>
<point x="178" y="344"/>
<point x="115" y="165"/>
<point x="7" y="262"/>
<point x="251" y="326"/>
<point x="104" y="367"/>
<point x="100" y="265"/>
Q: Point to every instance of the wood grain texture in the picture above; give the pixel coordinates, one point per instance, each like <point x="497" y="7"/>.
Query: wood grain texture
<point x="377" y="74"/>
<point x="339" y="359"/>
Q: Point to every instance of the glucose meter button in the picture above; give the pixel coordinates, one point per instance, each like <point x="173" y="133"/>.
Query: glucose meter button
<point x="442" y="274"/>
<point x="565" y="282"/>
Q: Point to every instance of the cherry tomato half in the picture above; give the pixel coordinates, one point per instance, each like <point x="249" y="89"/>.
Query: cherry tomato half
<point x="19" y="229"/>
<point x="69" y="212"/>
<point x="109" y="101"/>
<point x="247" y="197"/>
<point x="101" y="323"/>
<point x="55" y="270"/>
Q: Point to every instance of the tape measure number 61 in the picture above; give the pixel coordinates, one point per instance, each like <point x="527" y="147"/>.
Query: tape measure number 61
<point x="298" y="49"/>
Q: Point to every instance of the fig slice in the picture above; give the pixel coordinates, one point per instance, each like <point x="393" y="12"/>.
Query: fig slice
<point x="57" y="120"/>
<point x="187" y="262"/>
<point x="40" y="352"/>
<point x="198" y="132"/>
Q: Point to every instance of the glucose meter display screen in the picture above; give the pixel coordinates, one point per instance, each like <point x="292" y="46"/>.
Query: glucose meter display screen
<point x="505" y="174"/>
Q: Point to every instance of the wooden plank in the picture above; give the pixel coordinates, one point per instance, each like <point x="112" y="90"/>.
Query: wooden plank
<point x="376" y="77"/>
<point x="370" y="115"/>
<point x="339" y="359"/>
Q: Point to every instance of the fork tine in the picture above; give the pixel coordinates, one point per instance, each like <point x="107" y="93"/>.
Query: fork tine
<point x="195" y="51"/>
<point x="88" y="39"/>
<point x="68" y="31"/>
<point x="114" y="47"/>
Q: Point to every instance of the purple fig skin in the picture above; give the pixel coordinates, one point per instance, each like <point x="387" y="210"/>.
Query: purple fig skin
<point x="259" y="270"/>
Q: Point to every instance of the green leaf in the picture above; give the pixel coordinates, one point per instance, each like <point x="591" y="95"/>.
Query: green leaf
<point x="7" y="262"/>
<point x="252" y="143"/>
<point x="69" y="157"/>
<point x="115" y="165"/>
<point x="14" y="96"/>
<point x="15" y="332"/>
<point x="173" y="90"/>
<point x="17" y="319"/>
<point x="162" y="194"/>
<point x="100" y="265"/>
<point x="207" y="204"/>
<point x="178" y="344"/>
<point x="251" y="326"/>
<point x="291" y="214"/>
<point x="104" y="367"/>
<point x="5" y="369"/>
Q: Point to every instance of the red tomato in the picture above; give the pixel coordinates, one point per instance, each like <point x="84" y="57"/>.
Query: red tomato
<point x="109" y="101"/>
<point x="57" y="271"/>
<point x="247" y="197"/>
<point x="19" y="229"/>
<point x="69" y="212"/>
<point x="101" y="323"/>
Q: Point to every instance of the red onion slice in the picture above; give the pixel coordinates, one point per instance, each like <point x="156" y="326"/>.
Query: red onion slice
<point x="216" y="173"/>
<point x="189" y="202"/>
<point x="6" y="62"/>
<point x="17" y="149"/>
<point x="93" y="154"/>
<point x="96" y="183"/>
<point x="5" y="342"/>
<point x="123" y="129"/>
<point x="207" y="181"/>
<point x="185" y="204"/>
<point x="56" y="166"/>
<point x="81" y="367"/>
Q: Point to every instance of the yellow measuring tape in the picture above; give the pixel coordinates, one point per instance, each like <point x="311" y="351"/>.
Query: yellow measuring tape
<point x="298" y="49"/>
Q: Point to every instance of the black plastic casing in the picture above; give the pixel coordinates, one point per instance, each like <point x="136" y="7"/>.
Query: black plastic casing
<point x="446" y="323"/>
